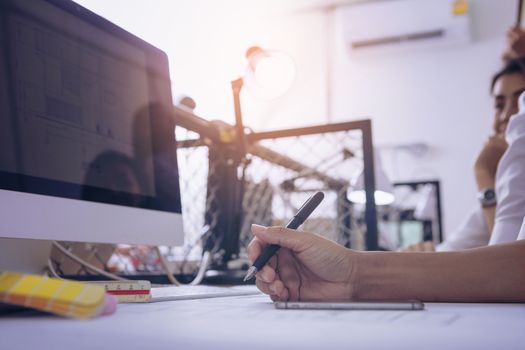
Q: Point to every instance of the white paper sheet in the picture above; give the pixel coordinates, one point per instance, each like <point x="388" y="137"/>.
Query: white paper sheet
<point x="251" y="322"/>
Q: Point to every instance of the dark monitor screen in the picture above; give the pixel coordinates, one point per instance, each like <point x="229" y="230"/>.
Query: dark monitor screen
<point x="85" y="109"/>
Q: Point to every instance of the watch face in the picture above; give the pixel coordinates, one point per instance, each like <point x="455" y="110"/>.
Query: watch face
<point x="487" y="197"/>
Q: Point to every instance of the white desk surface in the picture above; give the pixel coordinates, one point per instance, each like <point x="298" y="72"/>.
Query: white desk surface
<point x="251" y="322"/>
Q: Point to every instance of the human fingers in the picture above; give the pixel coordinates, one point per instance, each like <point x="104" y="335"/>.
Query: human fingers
<point x="263" y="286"/>
<point x="266" y="274"/>
<point x="289" y="275"/>
<point x="497" y="126"/>
<point x="410" y="248"/>
<point x="292" y="239"/>
<point x="276" y="289"/>
<point x="507" y="55"/>
<point x="519" y="31"/>
<point x="418" y="247"/>
<point x="512" y="36"/>
<point x="428" y="246"/>
<point x="255" y="249"/>
<point x="279" y="290"/>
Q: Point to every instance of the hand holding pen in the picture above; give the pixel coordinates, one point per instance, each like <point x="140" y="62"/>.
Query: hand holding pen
<point x="307" y="267"/>
<point x="303" y="213"/>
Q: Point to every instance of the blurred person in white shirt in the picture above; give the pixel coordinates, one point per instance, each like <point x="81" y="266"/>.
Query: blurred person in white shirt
<point x="475" y="230"/>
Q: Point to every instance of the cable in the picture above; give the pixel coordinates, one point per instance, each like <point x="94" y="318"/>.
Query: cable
<point x="166" y="268"/>
<point x="86" y="264"/>
<point x="51" y="269"/>
<point x="205" y="231"/>
<point x="206" y="258"/>
<point x="197" y="280"/>
<point x="205" y="262"/>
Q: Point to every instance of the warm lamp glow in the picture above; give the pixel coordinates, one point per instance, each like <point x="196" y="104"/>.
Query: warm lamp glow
<point x="381" y="197"/>
<point x="269" y="74"/>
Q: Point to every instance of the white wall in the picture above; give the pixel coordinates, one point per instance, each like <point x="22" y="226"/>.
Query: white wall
<point x="206" y="41"/>
<point x="438" y="97"/>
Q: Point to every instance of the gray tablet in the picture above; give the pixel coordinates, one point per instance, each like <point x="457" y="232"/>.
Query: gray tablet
<point x="354" y="305"/>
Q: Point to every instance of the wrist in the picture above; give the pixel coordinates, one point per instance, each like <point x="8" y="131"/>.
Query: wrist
<point x="352" y="267"/>
<point x="487" y="197"/>
<point x="385" y="275"/>
<point x="363" y="274"/>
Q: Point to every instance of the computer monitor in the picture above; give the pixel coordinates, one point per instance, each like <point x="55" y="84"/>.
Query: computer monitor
<point x="87" y="142"/>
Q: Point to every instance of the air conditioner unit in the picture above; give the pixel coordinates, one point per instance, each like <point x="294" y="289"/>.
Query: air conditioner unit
<point x="388" y="26"/>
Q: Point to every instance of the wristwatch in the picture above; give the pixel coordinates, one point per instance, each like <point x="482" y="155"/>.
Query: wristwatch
<point x="487" y="197"/>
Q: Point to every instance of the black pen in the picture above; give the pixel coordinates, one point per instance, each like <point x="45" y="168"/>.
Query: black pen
<point x="303" y="213"/>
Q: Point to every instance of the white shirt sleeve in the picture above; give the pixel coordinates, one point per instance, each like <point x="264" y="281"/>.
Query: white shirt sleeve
<point x="510" y="182"/>
<point x="472" y="233"/>
<point x="522" y="231"/>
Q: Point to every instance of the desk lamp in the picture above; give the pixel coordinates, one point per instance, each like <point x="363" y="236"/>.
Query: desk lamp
<point x="383" y="194"/>
<point x="268" y="74"/>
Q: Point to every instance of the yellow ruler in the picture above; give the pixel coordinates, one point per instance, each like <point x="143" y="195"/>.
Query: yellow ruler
<point x="127" y="291"/>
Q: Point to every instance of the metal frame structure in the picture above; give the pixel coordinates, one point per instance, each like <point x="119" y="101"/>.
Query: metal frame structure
<point x="365" y="126"/>
<point x="209" y="135"/>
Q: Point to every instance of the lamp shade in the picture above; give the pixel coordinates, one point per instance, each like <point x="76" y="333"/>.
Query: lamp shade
<point x="384" y="193"/>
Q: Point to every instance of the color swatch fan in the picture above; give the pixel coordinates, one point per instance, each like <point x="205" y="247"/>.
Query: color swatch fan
<point x="61" y="297"/>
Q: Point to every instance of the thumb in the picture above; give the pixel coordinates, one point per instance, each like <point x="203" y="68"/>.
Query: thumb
<point x="287" y="238"/>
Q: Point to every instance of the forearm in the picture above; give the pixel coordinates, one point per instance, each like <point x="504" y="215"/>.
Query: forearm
<point x="490" y="216"/>
<point x="495" y="273"/>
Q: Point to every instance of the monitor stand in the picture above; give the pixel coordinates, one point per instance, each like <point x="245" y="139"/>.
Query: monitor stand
<point x="24" y="255"/>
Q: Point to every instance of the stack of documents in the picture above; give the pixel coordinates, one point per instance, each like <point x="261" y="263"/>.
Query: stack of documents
<point x="61" y="297"/>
